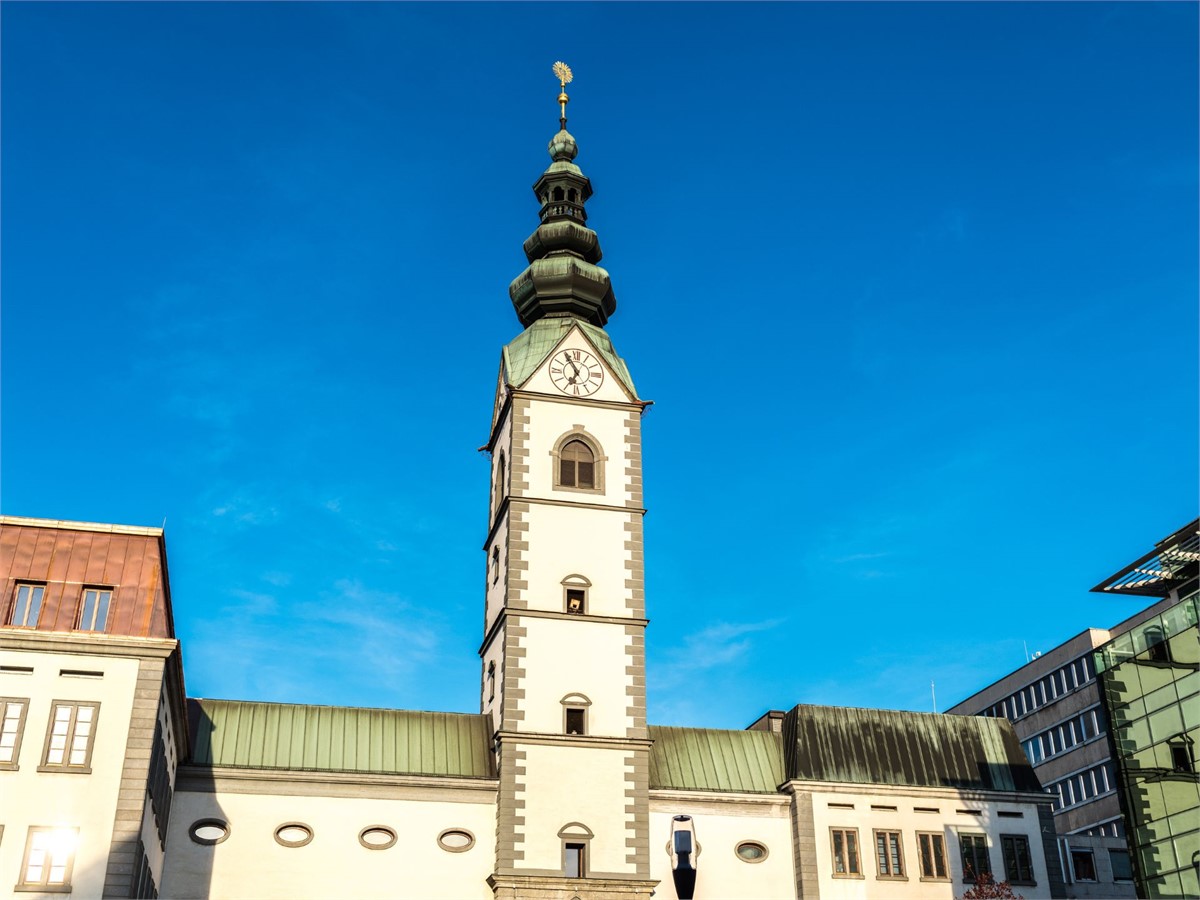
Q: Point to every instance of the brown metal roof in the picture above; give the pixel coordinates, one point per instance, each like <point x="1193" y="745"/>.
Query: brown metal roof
<point x="883" y="746"/>
<point x="67" y="557"/>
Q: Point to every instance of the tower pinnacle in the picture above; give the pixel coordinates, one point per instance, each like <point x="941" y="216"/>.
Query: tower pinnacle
<point x="562" y="277"/>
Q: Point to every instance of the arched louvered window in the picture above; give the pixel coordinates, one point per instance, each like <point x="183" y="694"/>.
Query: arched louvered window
<point x="577" y="466"/>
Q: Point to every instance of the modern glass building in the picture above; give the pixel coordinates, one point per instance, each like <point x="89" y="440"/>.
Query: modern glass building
<point x="1150" y="686"/>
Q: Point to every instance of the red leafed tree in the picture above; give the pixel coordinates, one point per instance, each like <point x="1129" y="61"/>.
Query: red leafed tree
<point x="988" y="888"/>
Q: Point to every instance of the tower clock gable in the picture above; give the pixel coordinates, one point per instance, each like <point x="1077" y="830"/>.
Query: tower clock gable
<point x="576" y="368"/>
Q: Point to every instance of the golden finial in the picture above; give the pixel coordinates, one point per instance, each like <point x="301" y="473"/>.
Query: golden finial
<point x="563" y="73"/>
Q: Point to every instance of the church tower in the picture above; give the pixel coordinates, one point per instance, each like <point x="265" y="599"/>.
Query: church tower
<point x="563" y="654"/>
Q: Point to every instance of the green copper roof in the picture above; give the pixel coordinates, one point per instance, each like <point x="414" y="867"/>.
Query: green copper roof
<point x="710" y="759"/>
<point x="883" y="746"/>
<point x="529" y="349"/>
<point x="339" y="739"/>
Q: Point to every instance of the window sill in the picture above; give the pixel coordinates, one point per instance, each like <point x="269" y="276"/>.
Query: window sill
<point x="891" y="878"/>
<point x="66" y="770"/>
<point x="42" y="889"/>
<point x="934" y="878"/>
<point x="850" y="877"/>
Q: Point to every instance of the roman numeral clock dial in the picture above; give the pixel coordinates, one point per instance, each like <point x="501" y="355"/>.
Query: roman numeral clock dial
<point x="576" y="372"/>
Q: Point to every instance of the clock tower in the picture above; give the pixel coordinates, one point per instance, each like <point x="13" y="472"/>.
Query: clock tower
<point x="563" y="653"/>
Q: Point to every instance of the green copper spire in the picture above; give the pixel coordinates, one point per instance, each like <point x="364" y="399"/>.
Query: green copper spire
<point x="562" y="277"/>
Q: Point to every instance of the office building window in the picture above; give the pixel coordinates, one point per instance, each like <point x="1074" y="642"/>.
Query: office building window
<point x="12" y="726"/>
<point x="1121" y="868"/>
<point x="1081" y="787"/>
<point x="933" y="856"/>
<point x="1068" y="678"/>
<point x="70" y="736"/>
<point x="27" y="605"/>
<point x="845" y="853"/>
<point x="889" y="854"/>
<point x="975" y="860"/>
<point x="1018" y="864"/>
<point x="1083" y="864"/>
<point x="49" y="858"/>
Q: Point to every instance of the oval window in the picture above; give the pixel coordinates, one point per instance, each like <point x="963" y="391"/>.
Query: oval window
<point x="377" y="837"/>
<point x="456" y="840"/>
<point x="209" y="831"/>
<point x="293" y="834"/>
<point x="751" y="851"/>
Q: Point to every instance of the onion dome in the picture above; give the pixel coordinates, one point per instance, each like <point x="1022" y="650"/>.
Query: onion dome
<point x="562" y="277"/>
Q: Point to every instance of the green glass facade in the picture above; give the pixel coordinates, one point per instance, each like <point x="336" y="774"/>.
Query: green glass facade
<point x="1150" y="682"/>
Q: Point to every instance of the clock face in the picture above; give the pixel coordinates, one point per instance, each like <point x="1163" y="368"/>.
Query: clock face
<point x="576" y="372"/>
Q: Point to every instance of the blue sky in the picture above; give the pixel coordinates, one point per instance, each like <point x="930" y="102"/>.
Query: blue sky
<point x="913" y="288"/>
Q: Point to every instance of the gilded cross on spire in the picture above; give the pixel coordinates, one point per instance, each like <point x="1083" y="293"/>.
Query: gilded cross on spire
<point x="563" y="73"/>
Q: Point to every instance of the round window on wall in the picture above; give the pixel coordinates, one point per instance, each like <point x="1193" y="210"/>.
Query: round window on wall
<point x="209" y="831"/>
<point x="293" y="834"/>
<point x="377" y="837"/>
<point x="456" y="840"/>
<point x="751" y="851"/>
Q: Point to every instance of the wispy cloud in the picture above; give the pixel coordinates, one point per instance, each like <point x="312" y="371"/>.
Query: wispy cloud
<point x="720" y="644"/>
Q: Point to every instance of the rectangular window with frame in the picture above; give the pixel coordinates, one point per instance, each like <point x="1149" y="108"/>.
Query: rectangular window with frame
<point x="12" y="726"/>
<point x="845" y="853"/>
<point x="1083" y="864"/>
<point x="93" y="612"/>
<point x="889" y="854"/>
<point x="27" y="605"/>
<point x="1018" y="864"/>
<point x="576" y="721"/>
<point x="1121" y="868"/>
<point x="70" y="737"/>
<point x="933" y="856"/>
<point x="574" y="861"/>
<point x="49" y="858"/>
<point x="975" y="858"/>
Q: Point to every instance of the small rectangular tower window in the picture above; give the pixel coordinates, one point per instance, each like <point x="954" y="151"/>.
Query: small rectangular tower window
<point x="845" y="853"/>
<point x="49" y="858"/>
<point x="575" y="721"/>
<point x="573" y="860"/>
<point x="70" y="737"/>
<point x="27" y="605"/>
<point x="12" y="725"/>
<point x="575" y="601"/>
<point x="93" y="614"/>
